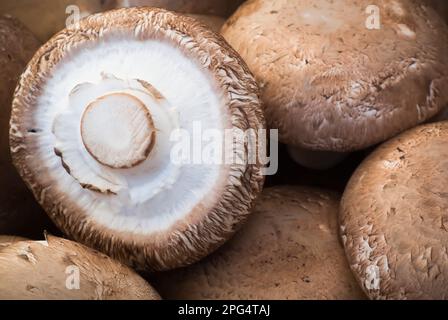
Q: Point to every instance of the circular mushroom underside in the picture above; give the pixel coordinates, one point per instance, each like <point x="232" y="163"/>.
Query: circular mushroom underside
<point x="50" y="269"/>
<point x="19" y="213"/>
<point x="114" y="186"/>
<point x="288" y="249"/>
<point x="330" y="83"/>
<point x="394" y="217"/>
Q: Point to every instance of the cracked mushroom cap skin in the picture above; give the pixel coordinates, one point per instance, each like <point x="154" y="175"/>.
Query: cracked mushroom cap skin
<point x="288" y="249"/>
<point x="331" y="84"/>
<point x="394" y="217"/>
<point x="157" y="213"/>
<point x="19" y="213"/>
<point x="207" y="7"/>
<point x="42" y="270"/>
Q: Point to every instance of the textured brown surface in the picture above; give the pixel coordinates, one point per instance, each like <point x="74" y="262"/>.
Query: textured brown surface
<point x="288" y="249"/>
<point x="394" y="217"/>
<point x="328" y="82"/>
<point x="38" y="270"/>
<point x="199" y="233"/>
<point x="19" y="213"/>
<point x="47" y="17"/>
<point x="222" y="8"/>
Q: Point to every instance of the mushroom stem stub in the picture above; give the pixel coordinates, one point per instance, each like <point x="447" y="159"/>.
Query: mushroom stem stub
<point x="117" y="130"/>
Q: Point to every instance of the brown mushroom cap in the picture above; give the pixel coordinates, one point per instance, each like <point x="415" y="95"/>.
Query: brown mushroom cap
<point x="205" y="7"/>
<point x="40" y="270"/>
<point x="288" y="249"/>
<point x="176" y="222"/>
<point x="19" y="213"/>
<point x="47" y="17"/>
<point x="394" y="217"/>
<point x="329" y="83"/>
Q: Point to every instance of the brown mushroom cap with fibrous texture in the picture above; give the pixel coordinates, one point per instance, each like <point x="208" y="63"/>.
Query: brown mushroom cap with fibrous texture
<point x="331" y="84"/>
<point x="19" y="214"/>
<point x="154" y="214"/>
<point x="47" y="17"/>
<point x="38" y="270"/>
<point x="394" y="217"/>
<point x="205" y="7"/>
<point x="288" y="249"/>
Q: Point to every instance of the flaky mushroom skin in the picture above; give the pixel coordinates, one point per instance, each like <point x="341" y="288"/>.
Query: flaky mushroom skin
<point x="288" y="249"/>
<point x="19" y="213"/>
<point x="394" y="217"/>
<point x="194" y="237"/>
<point x="35" y="270"/>
<point x="331" y="84"/>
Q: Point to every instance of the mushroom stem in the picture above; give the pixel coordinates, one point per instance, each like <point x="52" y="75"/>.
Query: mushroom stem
<point x="318" y="160"/>
<point x="117" y="130"/>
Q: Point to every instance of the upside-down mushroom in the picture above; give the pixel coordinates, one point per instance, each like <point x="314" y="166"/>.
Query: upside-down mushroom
<point x="288" y="249"/>
<point x="19" y="214"/>
<point x="341" y="76"/>
<point x="394" y="217"/>
<point x="58" y="269"/>
<point x="93" y="132"/>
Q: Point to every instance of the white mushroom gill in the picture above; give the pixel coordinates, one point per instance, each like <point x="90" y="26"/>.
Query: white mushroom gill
<point x="105" y="127"/>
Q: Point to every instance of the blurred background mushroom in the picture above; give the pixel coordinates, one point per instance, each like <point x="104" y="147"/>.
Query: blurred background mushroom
<point x="332" y="84"/>
<point x="19" y="213"/>
<point x="394" y="217"/>
<point x="47" y="17"/>
<point x="289" y="249"/>
<point x="58" y="269"/>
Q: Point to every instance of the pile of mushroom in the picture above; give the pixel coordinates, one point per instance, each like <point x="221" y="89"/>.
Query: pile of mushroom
<point x="130" y="129"/>
<point x="337" y="84"/>
<point x="289" y="249"/>
<point x="94" y="126"/>
<point x="58" y="269"/>
<point x="19" y="214"/>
